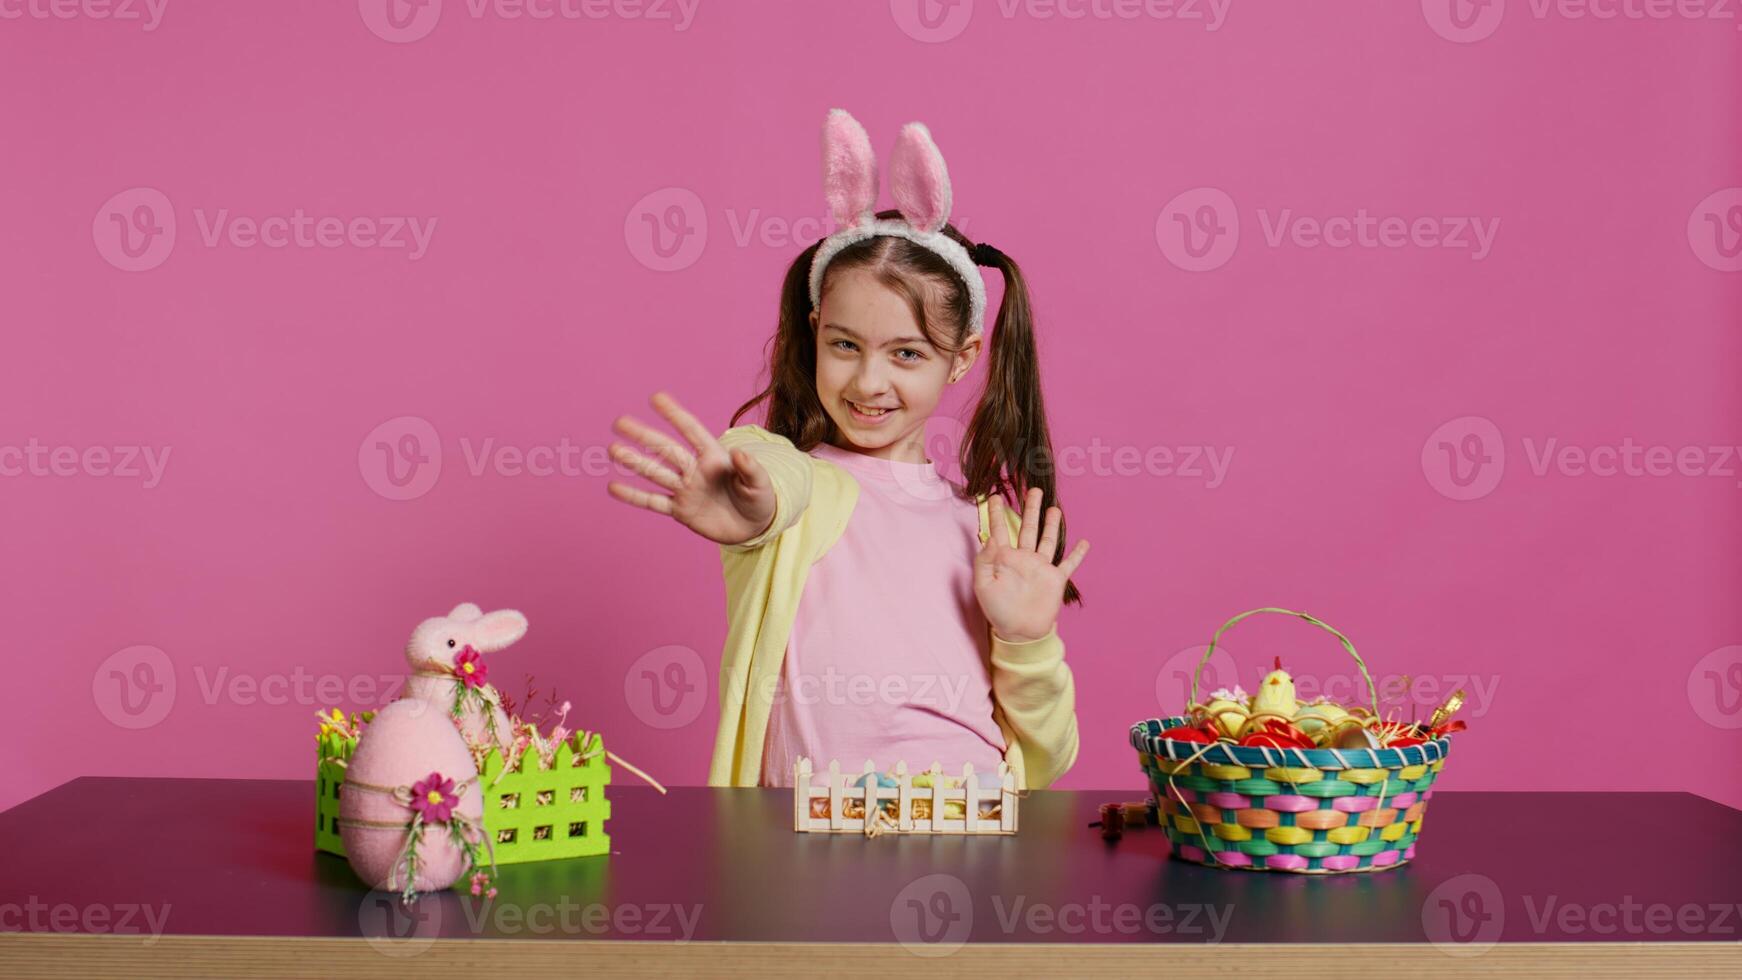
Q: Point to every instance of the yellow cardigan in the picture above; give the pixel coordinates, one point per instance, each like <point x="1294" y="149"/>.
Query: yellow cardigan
<point x="1034" y="695"/>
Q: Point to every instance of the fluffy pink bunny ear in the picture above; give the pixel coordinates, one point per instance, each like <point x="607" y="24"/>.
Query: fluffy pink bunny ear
<point x="849" y="169"/>
<point x="918" y="179"/>
<point x="465" y="612"/>
<point x="497" y="630"/>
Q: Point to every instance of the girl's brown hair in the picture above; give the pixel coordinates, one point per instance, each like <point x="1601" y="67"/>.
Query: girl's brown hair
<point x="1007" y="449"/>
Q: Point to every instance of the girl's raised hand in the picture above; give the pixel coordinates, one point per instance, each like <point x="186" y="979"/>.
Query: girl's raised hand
<point x="723" y="496"/>
<point x="1019" y="588"/>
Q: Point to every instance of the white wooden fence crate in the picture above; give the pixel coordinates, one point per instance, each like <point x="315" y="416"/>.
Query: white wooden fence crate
<point x="834" y="803"/>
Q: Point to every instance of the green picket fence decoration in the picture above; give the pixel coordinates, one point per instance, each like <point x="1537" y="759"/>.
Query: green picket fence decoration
<point x="538" y="814"/>
<point x="531" y="813"/>
<point x="329" y="776"/>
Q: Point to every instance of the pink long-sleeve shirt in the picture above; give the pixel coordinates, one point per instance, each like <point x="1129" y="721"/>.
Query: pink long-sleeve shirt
<point x="888" y="656"/>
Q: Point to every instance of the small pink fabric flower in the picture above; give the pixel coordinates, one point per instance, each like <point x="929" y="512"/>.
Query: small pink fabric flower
<point x="434" y="797"/>
<point x="470" y="667"/>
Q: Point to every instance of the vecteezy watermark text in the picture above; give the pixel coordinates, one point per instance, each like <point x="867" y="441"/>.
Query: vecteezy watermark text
<point x="300" y="230"/>
<point x="1465" y="458"/>
<point x="662" y="920"/>
<point x="1098" y="917"/>
<point x="1199" y="230"/>
<point x="118" y="918"/>
<point x="121" y="462"/>
<point x="934" y="915"/>
<point x="405" y="21"/>
<point x="937" y="21"/>
<point x="667" y="229"/>
<point x="1469" y="21"/>
<point x="136" y="230"/>
<point x="147" y="13"/>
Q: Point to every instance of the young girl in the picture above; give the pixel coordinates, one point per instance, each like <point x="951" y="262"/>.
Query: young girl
<point x="871" y="612"/>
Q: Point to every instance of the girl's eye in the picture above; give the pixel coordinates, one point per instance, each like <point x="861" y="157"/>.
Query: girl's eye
<point x="844" y="345"/>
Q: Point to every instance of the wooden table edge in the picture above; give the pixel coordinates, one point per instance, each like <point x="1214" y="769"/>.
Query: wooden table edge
<point x="53" y="955"/>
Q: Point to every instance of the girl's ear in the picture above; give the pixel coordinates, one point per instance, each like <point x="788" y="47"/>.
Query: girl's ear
<point x="918" y="179"/>
<point x="849" y="169"/>
<point x="498" y="630"/>
<point x="963" y="360"/>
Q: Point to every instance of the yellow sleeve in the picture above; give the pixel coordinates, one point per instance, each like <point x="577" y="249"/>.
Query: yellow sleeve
<point x="788" y="469"/>
<point x="1038" y="696"/>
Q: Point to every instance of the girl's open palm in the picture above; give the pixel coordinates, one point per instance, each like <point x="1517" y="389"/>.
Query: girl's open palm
<point x="723" y="496"/>
<point x="1019" y="588"/>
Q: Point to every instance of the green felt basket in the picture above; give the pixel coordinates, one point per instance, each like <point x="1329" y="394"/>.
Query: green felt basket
<point x="531" y="813"/>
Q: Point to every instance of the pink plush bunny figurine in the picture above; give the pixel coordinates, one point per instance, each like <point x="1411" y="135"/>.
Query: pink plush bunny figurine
<point x="446" y="654"/>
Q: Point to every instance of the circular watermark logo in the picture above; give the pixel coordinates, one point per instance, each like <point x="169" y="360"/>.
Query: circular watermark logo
<point x="1199" y="229"/>
<point x="400" y="21"/>
<point x="1715" y="687"/>
<point x="1715" y="230"/>
<point x="1463" y="21"/>
<point x="932" y="21"/>
<point x="134" y="688"/>
<point x="398" y="930"/>
<point x="667" y="230"/>
<point x="401" y="458"/>
<point x="1464" y="458"/>
<point x="1464" y="915"/>
<point x="135" y="230"/>
<point x="933" y="915"/>
<point x="666" y="687"/>
<point x="1173" y="682"/>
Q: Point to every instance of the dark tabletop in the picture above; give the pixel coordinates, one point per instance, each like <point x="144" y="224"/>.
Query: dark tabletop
<point x="236" y="858"/>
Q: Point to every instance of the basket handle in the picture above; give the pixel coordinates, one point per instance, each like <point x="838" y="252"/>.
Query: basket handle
<point x="1372" y="690"/>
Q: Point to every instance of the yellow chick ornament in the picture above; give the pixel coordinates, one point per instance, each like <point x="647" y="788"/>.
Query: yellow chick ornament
<point x="1275" y="697"/>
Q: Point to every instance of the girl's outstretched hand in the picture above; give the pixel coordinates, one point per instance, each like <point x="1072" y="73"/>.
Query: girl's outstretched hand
<point x="1019" y="588"/>
<point x="723" y="496"/>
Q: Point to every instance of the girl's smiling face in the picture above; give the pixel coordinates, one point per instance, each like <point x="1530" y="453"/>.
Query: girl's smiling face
<point x="872" y="354"/>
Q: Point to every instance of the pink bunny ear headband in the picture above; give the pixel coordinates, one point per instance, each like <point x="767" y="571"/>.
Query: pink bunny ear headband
<point x="921" y="187"/>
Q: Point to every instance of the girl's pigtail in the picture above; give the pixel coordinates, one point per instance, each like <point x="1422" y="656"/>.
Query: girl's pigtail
<point x="1008" y="449"/>
<point x="793" y="409"/>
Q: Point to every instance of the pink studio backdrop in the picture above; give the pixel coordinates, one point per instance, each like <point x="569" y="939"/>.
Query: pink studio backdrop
<point x="1486" y="439"/>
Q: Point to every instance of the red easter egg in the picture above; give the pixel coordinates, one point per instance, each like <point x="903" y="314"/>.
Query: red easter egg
<point x="1407" y="740"/>
<point x="1184" y="734"/>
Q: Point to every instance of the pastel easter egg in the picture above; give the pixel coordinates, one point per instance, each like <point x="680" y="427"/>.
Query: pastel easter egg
<point x="1356" y="738"/>
<point x="1229" y="716"/>
<point x="1319" y="720"/>
<point x="406" y="741"/>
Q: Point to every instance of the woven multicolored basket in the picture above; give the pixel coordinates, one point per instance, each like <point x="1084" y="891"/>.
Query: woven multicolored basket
<point x="1309" y="811"/>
